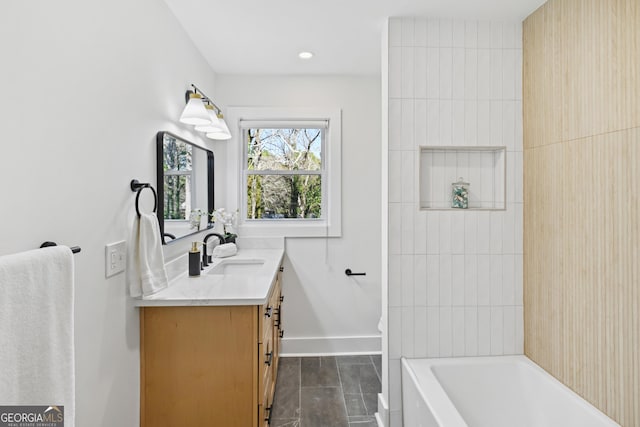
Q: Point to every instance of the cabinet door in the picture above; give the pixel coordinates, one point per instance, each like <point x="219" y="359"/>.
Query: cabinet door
<point x="197" y="366"/>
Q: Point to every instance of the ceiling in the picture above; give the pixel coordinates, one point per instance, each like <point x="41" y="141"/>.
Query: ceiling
<point x="264" y="37"/>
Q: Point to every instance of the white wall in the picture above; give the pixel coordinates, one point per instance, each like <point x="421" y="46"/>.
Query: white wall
<point x="324" y="310"/>
<point x="85" y="87"/>
<point x="455" y="278"/>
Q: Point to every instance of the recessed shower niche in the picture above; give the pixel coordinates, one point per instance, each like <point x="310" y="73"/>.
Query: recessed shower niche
<point x="482" y="167"/>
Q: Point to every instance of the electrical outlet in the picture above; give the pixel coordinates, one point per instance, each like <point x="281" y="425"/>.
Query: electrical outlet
<point x="115" y="258"/>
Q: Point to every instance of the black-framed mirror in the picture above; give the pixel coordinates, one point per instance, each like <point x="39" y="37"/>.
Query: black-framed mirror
<point x="185" y="187"/>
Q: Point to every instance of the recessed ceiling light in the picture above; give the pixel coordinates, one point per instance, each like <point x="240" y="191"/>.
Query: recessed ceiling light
<point x="305" y="55"/>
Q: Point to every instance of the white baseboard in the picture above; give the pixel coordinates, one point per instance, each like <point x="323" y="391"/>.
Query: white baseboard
<point x="331" y="346"/>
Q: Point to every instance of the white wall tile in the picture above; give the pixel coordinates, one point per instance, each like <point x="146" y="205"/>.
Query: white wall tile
<point x="445" y="233"/>
<point x="433" y="32"/>
<point x="446" y="108"/>
<point x="484" y="34"/>
<point x="509" y="124"/>
<point x="457" y="333"/>
<point x="509" y="332"/>
<point x="395" y="176"/>
<point x="457" y="232"/>
<point x="420" y="122"/>
<point x="518" y="196"/>
<point x="406" y="133"/>
<point x="484" y="123"/>
<point x="471" y="34"/>
<point x="495" y="74"/>
<point x="509" y="74"/>
<point x="458" y="67"/>
<point x="484" y="232"/>
<point x="471" y="232"/>
<point x="510" y="179"/>
<point x="408" y="336"/>
<point x="395" y="385"/>
<point x="496" y="232"/>
<point x="420" y="73"/>
<point x="458" y="124"/>
<point x="496" y="35"/>
<point x="496" y="122"/>
<point x="497" y="331"/>
<point x="406" y="73"/>
<point x="508" y="230"/>
<point x="394" y="228"/>
<point x="395" y="32"/>
<point x="470" y="280"/>
<point x="518" y="36"/>
<point x="406" y="227"/>
<point x="484" y="280"/>
<point x="433" y="122"/>
<point x="518" y="227"/>
<point x="446" y="341"/>
<point x="407" y="31"/>
<point x="420" y="229"/>
<point x="395" y="281"/>
<point x="458" y="33"/>
<point x="433" y="280"/>
<point x="484" y="74"/>
<point x="433" y="331"/>
<point x="445" y="280"/>
<point x="446" y="33"/>
<point x="433" y="233"/>
<point x="496" y="280"/>
<point x="407" y="280"/>
<point x="420" y="280"/>
<point x="508" y="35"/>
<point x="508" y="279"/>
<point x="484" y="331"/>
<point x="471" y="331"/>
<point x="395" y="124"/>
<point x="446" y="72"/>
<point x="420" y="332"/>
<point x="519" y="315"/>
<point x="471" y="122"/>
<point x="408" y="177"/>
<point x="420" y="32"/>
<point x="470" y="74"/>
<point x="395" y="72"/>
<point x="395" y="332"/>
<point x="457" y="280"/>
<point x="433" y="73"/>
<point x="519" y="137"/>
<point x="518" y="279"/>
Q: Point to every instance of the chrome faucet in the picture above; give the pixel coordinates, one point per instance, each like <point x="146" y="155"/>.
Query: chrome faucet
<point x="205" y="258"/>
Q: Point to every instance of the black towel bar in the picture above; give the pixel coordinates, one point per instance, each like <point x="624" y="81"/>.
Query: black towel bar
<point x="139" y="186"/>
<point x="74" y="249"/>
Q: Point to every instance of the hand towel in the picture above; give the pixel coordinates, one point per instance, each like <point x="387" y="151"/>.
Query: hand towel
<point x="36" y="329"/>
<point x="226" y="250"/>
<point x="146" y="273"/>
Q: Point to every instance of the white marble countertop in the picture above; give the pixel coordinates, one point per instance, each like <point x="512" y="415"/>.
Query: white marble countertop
<point x="214" y="287"/>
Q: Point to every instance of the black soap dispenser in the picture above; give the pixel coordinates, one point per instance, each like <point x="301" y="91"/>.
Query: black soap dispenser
<point x="194" y="260"/>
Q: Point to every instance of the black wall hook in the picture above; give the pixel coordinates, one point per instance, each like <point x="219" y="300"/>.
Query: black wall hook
<point x="349" y="273"/>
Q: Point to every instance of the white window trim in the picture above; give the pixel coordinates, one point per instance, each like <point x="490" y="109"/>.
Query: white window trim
<point x="331" y="223"/>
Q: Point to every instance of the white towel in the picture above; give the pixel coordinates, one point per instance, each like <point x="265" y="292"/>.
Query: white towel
<point x="226" y="250"/>
<point x="146" y="273"/>
<point x="36" y="329"/>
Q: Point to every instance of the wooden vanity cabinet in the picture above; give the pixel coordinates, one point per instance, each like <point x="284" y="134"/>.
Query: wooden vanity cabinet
<point x="209" y="365"/>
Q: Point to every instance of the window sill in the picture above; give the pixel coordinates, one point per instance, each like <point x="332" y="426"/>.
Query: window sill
<point x="288" y="228"/>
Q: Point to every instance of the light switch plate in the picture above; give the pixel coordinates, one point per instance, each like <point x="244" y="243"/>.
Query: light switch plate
<point x="115" y="258"/>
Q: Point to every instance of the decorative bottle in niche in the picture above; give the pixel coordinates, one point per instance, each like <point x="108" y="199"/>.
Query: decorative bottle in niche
<point x="460" y="194"/>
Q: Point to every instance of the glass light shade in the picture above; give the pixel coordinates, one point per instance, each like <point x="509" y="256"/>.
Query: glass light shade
<point x="214" y="124"/>
<point x="222" y="134"/>
<point x="194" y="112"/>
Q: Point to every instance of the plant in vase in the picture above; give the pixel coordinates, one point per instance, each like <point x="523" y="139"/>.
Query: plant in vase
<point x="195" y="218"/>
<point x="229" y="222"/>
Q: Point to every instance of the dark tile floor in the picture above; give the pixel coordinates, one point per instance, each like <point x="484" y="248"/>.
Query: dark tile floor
<point x="327" y="391"/>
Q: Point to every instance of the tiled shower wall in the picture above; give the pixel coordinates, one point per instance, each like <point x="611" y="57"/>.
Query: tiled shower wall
<point x="455" y="277"/>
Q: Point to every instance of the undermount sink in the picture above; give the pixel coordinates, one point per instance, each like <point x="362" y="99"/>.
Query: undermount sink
<point x="237" y="267"/>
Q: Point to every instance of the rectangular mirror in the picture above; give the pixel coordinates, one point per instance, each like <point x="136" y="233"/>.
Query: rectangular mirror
<point x="185" y="187"/>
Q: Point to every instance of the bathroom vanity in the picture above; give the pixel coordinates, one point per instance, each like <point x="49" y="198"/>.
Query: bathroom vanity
<point x="210" y="345"/>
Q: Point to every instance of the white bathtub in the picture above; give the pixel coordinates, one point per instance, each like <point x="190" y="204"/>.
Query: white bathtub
<point x="504" y="391"/>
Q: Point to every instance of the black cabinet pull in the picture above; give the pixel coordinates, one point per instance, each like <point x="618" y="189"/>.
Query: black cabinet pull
<point x="276" y="318"/>
<point x="281" y="333"/>
<point x="281" y="298"/>
<point x="268" y="311"/>
<point x="268" y="419"/>
<point x="281" y="269"/>
<point x="269" y="358"/>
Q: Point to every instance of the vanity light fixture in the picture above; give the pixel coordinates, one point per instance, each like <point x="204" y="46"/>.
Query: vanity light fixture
<point x="201" y="109"/>
<point x="305" y="55"/>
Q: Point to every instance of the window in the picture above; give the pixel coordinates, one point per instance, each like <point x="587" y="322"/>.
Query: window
<point x="178" y="176"/>
<point x="288" y="169"/>
<point x="284" y="170"/>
